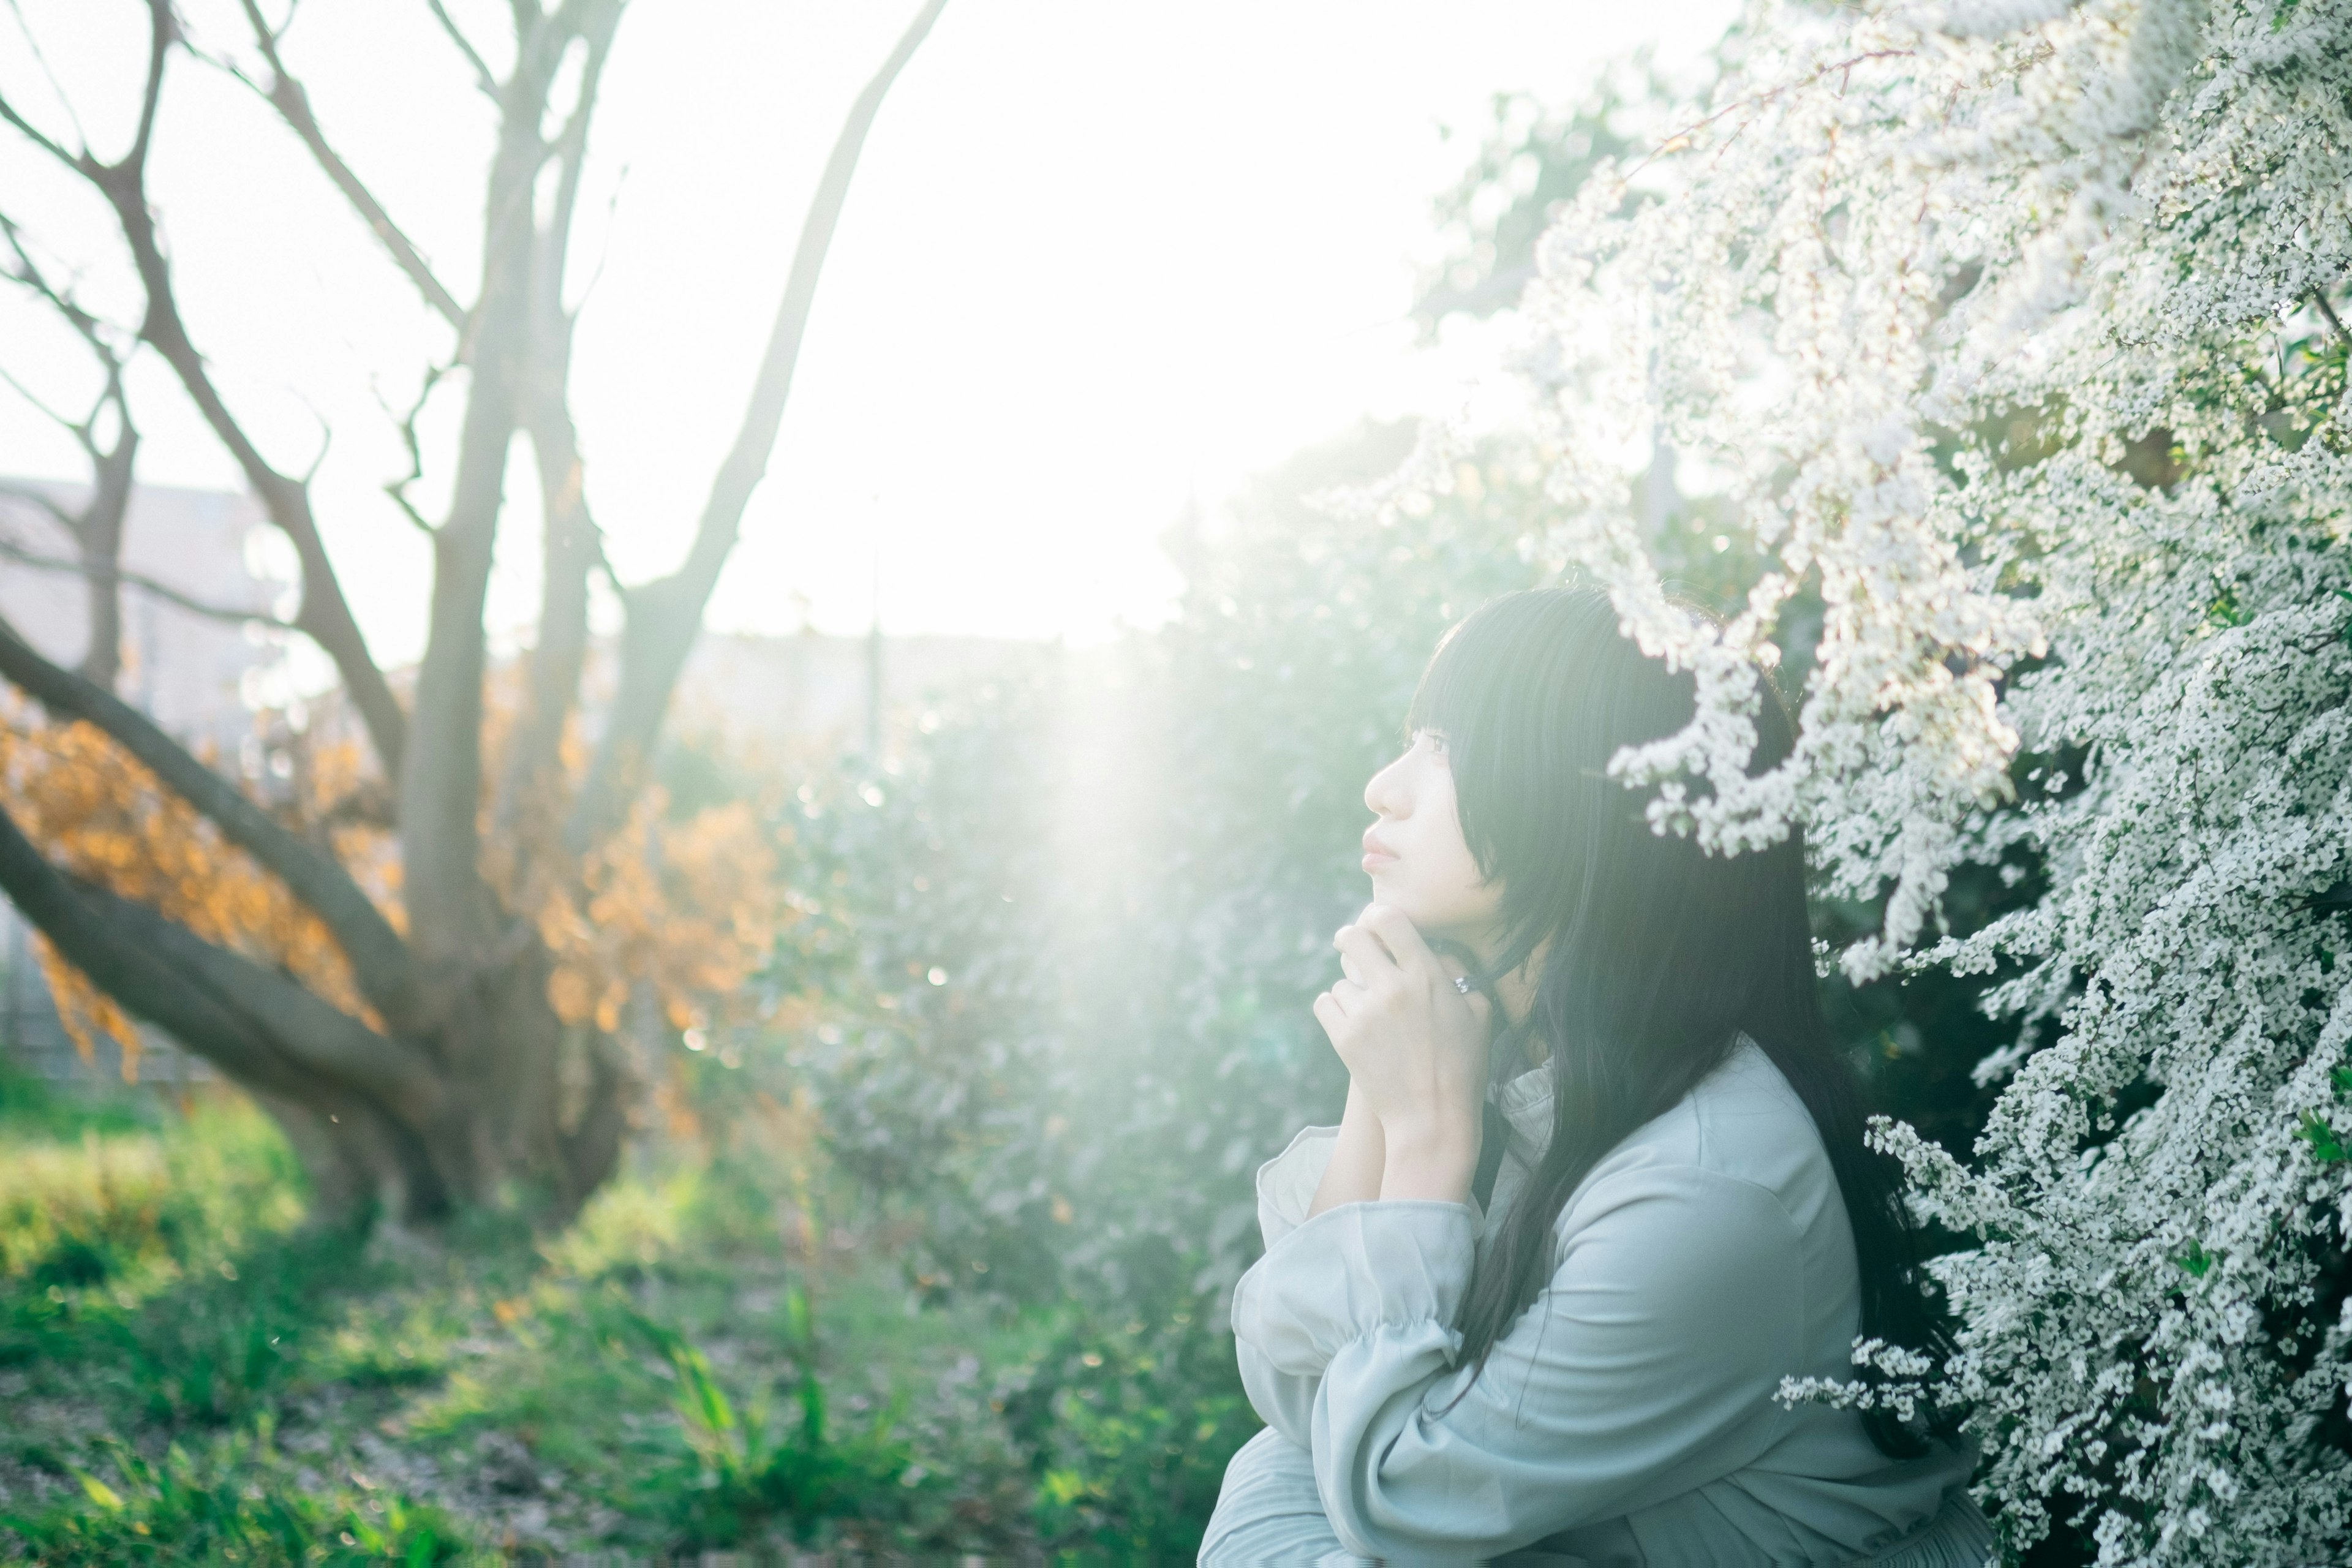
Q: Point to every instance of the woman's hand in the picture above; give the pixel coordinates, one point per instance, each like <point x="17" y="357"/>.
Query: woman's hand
<point x="1416" y="1047"/>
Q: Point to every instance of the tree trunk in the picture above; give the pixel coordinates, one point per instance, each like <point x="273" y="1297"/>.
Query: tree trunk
<point x="457" y="1082"/>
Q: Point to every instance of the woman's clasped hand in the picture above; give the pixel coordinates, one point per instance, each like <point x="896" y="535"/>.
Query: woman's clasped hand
<point x="1415" y="1047"/>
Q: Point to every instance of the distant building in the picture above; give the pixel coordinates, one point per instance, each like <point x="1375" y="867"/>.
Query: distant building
<point x="187" y="671"/>
<point x="808" y="691"/>
<point x="802" y="694"/>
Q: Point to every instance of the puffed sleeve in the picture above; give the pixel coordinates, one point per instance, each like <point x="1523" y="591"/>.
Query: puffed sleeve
<point x="1286" y="1189"/>
<point x="1645" y="1367"/>
<point x="1286" y="1183"/>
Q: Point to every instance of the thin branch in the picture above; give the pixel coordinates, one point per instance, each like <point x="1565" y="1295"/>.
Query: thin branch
<point x="325" y="615"/>
<point x="407" y="425"/>
<point x="570" y="149"/>
<point x="1682" y="140"/>
<point x="76" y="428"/>
<point x="380" y="959"/>
<point x="287" y="95"/>
<point x="41" y="59"/>
<point x="78" y="164"/>
<point x="571" y="544"/>
<point x="2320" y="298"/>
<point x="26" y="493"/>
<point x="165" y="32"/>
<point x="326" y="445"/>
<point x="484" y="77"/>
<point x="145" y="584"/>
<point x="28" y="275"/>
<point x="664" y="615"/>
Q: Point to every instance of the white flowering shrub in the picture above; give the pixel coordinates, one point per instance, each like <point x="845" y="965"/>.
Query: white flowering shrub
<point x="2012" y="327"/>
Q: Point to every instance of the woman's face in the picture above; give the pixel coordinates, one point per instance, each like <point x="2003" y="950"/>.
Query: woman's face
<point x="1416" y="853"/>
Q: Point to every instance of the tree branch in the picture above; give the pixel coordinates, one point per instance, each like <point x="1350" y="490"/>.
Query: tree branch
<point x="32" y="497"/>
<point x="165" y="32"/>
<point x="570" y="547"/>
<point x="132" y="972"/>
<point x="145" y="584"/>
<point x="664" y="615"/>
<point x="41" y="59"/>
<point x="292" y="102"/>
<point x="380" y="959"/>
<point x="2320" y="298"/>
<point x="325" y="615"/>
<point x="486" y="79"/>
<point x="450" y="905"/>
<point x="96" y="529"/>
<point x="302" y="1026"/>
<point x="27" y="274"/>
<point x="78" y="163"/>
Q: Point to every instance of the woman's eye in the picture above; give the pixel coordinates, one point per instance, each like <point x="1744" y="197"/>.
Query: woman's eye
<point x="1436" y="741"/>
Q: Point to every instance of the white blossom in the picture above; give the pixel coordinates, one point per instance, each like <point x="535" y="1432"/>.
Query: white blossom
<point x="2111" y="228"/>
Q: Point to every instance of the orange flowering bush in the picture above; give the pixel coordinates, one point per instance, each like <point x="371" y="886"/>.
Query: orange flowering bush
<point x="106" y="820"/>
<point x="685" y="903"/>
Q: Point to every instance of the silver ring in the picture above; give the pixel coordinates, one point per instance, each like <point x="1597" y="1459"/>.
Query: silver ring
<point x="1461" y="983"/>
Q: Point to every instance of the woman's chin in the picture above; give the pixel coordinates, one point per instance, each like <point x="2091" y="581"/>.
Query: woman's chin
<point x="1392" y="894"/>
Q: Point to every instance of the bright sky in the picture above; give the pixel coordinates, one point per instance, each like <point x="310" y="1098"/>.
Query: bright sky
<point x="1097" y="258"/>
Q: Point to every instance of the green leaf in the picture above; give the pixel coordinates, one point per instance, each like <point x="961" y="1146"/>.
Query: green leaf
<point x="104" y="1496"/>
<point x="2326" y="1146"/>
<point x="2196" y="1260"/>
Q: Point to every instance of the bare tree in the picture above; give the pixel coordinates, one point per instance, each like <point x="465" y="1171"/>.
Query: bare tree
<point x="460" y="1078"/>
<point x="96" y="527"/>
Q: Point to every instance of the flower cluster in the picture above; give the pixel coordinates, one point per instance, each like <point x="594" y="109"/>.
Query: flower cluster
<point x="2012" y="327"/>
<point x="1897" y="1380"/>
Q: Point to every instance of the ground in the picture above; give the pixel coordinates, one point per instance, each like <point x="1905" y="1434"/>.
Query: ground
<point x="723" y="1351"/>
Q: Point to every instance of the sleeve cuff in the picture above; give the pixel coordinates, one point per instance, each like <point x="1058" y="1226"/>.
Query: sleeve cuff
<point x="1333" y="1280"/>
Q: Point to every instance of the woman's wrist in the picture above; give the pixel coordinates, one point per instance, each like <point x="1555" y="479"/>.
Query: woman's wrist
<point x="1358" y="1159"/>
<point x="1434" y="1163"/>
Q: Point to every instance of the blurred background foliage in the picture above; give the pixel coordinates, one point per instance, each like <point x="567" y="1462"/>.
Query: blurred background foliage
<point x="928" y="1240"/>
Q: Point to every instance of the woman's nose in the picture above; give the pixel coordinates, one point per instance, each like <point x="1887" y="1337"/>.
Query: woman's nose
<point x="1384" y="795"/>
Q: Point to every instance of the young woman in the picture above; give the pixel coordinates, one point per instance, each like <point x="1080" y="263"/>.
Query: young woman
<point x="1583" y="1368"/>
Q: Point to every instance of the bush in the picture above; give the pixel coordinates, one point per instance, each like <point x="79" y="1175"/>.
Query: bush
<point x="1129" y="1426"/>
<point x="1051" y="983"/>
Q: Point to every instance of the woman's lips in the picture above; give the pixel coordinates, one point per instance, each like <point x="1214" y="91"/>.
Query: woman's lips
<point x="1378" y="856"/>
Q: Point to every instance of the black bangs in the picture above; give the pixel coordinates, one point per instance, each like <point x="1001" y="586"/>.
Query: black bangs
<point x="1535" y="692"/>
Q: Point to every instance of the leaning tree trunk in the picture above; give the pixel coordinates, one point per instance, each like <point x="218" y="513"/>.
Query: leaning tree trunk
<point x="457" y="1082"/>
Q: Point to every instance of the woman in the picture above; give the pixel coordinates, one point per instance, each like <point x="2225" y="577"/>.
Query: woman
<point x="1584" y="1369"/>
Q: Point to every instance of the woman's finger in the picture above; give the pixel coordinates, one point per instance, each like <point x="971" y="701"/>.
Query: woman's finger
<point x="1328" y="1013"/>
<point x="1398" y="939"/>
<point x="1348" y="996"/>
<point x="1362" y="955"/>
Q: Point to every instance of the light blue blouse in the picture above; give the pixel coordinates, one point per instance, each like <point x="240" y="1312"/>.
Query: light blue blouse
<point x="1628" y="1416"/>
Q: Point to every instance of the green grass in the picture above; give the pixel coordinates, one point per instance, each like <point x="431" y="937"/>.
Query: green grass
<point x="699" y="1360"/>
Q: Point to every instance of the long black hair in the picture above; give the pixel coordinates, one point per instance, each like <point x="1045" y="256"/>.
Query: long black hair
<point x="1660" y="955"/>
